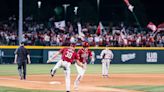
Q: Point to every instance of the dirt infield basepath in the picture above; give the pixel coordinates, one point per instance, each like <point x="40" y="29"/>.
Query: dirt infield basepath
<point x="90" y="82"/>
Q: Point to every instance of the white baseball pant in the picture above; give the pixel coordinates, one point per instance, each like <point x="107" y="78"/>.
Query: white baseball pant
<point x="105" y="66"/>
<point x="80" y="75"/>
<point x="67" y="72"/>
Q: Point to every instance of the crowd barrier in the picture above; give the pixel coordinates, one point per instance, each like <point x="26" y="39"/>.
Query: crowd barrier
<point x="122" y="55"/>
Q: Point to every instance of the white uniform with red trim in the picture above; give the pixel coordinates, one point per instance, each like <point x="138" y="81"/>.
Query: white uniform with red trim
<point x="107" y="56"/>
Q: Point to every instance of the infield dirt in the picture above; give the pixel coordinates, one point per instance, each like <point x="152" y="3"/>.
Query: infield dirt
<point x="90" y="82"/>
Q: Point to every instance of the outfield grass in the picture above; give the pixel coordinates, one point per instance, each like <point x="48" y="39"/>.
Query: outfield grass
<point x="10" y="89"/>
<point x="11" y="69"/>
<point x="144" y="88"/>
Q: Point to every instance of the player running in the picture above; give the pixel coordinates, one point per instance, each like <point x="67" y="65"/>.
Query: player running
<point x="83" y="55"/>
<point x="107" y="56"/>
<point x="68" y="56"/>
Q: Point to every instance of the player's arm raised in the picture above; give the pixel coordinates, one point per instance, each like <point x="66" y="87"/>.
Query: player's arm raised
<point x="51" y="59"/>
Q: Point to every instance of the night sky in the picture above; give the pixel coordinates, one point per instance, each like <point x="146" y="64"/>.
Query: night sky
<point x="146" y="10"/>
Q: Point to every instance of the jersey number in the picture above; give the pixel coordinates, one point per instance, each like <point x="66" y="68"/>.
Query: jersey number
<point x="68" y="54"/>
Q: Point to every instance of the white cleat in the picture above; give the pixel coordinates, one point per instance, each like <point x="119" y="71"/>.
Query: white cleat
<point x="76" y="88"/>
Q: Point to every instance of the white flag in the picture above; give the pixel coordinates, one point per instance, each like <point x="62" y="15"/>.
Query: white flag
<point x="152" y="26"/>
<point x="130" y="7"/>
<point x="81" y="34"/>
<point x="60" y="24"/>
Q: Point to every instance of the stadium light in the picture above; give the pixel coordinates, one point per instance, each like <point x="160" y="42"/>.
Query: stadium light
<point x="65" y="9"/>
<point x="39" y="4"/>
<point x="75" y="10"/>
<point x="98" y="3"/>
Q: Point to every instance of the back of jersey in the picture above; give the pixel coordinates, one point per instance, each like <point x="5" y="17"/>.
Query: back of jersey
<point x="22" y="54"/>
<point x="68" y="54"/>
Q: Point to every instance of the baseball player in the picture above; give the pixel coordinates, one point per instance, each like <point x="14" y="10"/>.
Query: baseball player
<point x="83" y="55"/>
<point x="21" y="58"/>
<point x="107" y="56"/>
<point x="68" y="56"/>
<point x="93" y="58"/>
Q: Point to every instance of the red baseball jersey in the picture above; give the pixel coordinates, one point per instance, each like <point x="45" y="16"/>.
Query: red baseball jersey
<point x="83" y="55"/>
<point x="68" y="54"/>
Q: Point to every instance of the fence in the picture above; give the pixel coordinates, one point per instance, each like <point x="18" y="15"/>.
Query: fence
<point x="122" y="55"/>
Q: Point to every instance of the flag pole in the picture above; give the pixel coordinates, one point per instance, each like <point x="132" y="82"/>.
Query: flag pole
<point x="138" y="23"/>
<point x="130" y="7"/>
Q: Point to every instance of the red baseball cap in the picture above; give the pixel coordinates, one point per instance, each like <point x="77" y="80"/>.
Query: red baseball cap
<point x="85" y="44"/>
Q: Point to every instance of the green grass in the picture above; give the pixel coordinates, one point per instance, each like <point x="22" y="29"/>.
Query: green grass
<point x="144" y="88"/>
<point x="10" y="89"/>
<point x="33" y="69"/>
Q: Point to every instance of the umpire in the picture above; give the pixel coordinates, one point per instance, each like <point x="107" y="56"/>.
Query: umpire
<point x="21" y="58"/>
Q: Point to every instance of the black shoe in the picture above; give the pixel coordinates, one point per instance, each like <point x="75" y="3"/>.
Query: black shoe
<point x="67" y="91"/>
<point x="52" y="73"/>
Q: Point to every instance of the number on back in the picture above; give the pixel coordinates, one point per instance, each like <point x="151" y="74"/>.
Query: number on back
<point x="69" y="54"/>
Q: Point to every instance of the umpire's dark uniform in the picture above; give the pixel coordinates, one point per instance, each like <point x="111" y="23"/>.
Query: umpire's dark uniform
<point x="21" y="58"/>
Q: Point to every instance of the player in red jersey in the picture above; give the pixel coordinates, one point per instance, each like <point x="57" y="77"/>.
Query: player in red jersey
<point x="83" y="55"/>
<point x="68" y="56"/>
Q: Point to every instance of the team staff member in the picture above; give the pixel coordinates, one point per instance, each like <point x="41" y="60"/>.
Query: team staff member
<point x="68" y="56"/>
<point x="83" y="55"/>
<point x="107" y="56"/>
<point x="21" y="58"/>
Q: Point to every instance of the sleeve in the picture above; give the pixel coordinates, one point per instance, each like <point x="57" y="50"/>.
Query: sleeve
<point x="61" y="50"/>
<point x="78" y="54"/>
<point x="90" y="54"/>
<point x="16" y="51"/>
<point x="112" y="54"/>
<point x="102" y="54"/>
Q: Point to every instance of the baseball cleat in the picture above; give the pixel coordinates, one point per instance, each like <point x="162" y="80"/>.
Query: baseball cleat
<point x="75" y="88"/>
<point x="52" y="72"/>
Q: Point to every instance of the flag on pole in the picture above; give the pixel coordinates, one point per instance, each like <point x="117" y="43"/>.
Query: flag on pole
<point x="60" y="24"/>
<point x="130" y="7"/>
<point x="152" y="26"/>
<point x="99" y="29"/>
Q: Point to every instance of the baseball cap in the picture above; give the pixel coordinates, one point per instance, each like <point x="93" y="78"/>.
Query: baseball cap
<point x="85" y="44"/>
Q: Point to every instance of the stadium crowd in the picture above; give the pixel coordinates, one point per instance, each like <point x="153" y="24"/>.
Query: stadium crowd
<point x="46" y="34"/>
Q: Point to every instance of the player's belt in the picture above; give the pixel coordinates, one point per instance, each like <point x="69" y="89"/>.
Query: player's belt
<point x="66" y="61"/>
